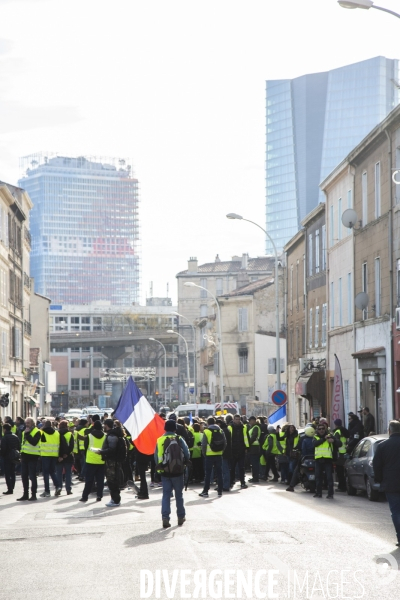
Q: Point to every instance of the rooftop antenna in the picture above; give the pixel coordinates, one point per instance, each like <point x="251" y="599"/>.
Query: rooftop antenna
<point x="167" y="290"/>
<point x="151" y="289"/>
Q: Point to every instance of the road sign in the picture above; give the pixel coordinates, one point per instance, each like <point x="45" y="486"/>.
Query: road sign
<point x="279" y="397"/>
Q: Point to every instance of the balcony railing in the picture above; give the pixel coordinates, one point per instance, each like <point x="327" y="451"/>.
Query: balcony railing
<point x="28" y="327"/>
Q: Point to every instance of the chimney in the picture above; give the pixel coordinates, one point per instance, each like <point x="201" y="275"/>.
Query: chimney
<point x="217" y="258"/>
<point x="192" y="264"/>
<point x="245" y="259"/>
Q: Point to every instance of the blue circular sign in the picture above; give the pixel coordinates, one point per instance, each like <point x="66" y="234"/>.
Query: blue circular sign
<point x="279" y="397"/>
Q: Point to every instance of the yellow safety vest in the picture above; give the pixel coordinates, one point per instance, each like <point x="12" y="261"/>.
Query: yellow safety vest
<point x="296" y="442"/>
<point x="14" y="429"/>
<point x="76" y="448"/>
<point x="209" y="452"/>
<point x="323" y="450"/>
<point x="196" y="450"/>
<point x="160" y="450"/>
<point x="342" y="449"/>
<point x="81" y="443"/>
<point x="92" y="457"/>
<point x="245" y="436"/>
<point x="51" y="447"/>
<point x="67" y="436"/>
<point x="257" y="440"/>
<point x="283" y="443"/>
<point x="27" y="448"/>
<point x="275" y="449"/>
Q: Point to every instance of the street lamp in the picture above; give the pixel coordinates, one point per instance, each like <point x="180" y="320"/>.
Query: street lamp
<point x="194" y="351"/>
<point x="165" y="365"/>
<point x="187" y="359"/>
<point x="278" y="349"/>
<point x="365" y="4"/>
<point x="220" y="362"/>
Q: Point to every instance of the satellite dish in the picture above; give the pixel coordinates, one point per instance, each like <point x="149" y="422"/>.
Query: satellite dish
<point x="361" y="300"/>
<point x="349" y="218"/>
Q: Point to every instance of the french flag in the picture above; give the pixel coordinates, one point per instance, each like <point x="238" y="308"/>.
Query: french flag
<point x="136" y="414"/>
<point x="278" y="417"/>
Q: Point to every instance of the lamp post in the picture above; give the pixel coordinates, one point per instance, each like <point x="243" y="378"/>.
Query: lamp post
<point x="220" y="361"/>
<point x="278" y="348"/>
<point x="365" y="4"/>
<point x="194" y="352"/>
<point x="165" y="365"/>
<point x="187" y="359"/>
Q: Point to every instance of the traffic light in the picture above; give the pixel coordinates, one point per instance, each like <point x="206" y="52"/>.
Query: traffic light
<point x="5" y="400"/>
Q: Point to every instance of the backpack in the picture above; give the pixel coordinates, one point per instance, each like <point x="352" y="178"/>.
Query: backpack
<point x="217" y="442"/>
<point x="121" y="450"/>
<point x="190" y="438"/>
<point x="14" y="456"/>
<point x="173" y="460"/>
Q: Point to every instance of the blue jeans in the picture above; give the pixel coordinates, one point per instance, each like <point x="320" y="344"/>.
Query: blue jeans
<point x="93" y="472"/>
<point x="168" y="485"/>
<point x="226" y="473"/>
<point x="68" y="474"/>
<point x="49" y="464"/>
<point x="322" y="465"/>
<point x="394" y="505"/>
<point x="213" y="462"/>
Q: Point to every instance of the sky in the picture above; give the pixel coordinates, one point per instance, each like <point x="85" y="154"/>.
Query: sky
<point x="179" y="87"/>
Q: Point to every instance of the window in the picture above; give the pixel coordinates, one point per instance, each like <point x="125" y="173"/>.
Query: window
<point x="340" y="302"/>
<point x="75" y="364"/>
<point x="316" y="335"/>
<point x="203" y="283"/>
<point x="310" y="254"/>
<point x="349" y="302"/>
<point x="243" y="360"/>
<point x="310" y="328"/>
<point x="377" y="287"/>
<point x="339" y="219"/>
<point x="203" y="310"/>
<point x="272" y="366"/>
<point x="96" y="384"/>
<point x="4" y="354"/>
<point x="377" y="190"/>
<point x="364" y="278"/>
<point x="364" y="196"/>
<point x="365" y="448"/>
<point x="332" y="228"/>
<point x="332" y="305"/>
<point x="323" y="326"/>
<point x="216" y="363"/>
<point x="98" y="363"/>
<point x="85" y="384"/>
<point x="16" y="350"/>
<point x="75" y="385"/>
<point x="323" y="256"/>
<point x="75" y="323"/>
<point x="220" y="286"/>
<point x="85" y="323"/>
<point x="317" y="251"/>
<point x="291" y="288"/>
<point x="242" y="319"/>
<point x="97" y="323"/>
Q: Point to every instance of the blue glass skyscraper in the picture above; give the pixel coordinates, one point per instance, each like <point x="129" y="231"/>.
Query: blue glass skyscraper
<point x="313" y="122"/>
<point x="84" y="227"/>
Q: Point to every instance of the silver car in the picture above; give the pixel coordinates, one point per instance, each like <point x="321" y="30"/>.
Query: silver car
<point x="359" y="469"/>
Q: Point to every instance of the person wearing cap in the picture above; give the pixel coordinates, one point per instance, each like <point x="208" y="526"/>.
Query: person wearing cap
<point x="271" y="448"/>
<point x="342" y="434"/>
<point x="171" y="483"/>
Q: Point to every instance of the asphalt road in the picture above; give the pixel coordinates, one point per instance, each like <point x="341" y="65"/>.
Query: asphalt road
<point x="59" y="548"/>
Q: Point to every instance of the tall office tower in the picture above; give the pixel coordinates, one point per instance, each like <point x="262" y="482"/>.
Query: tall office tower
<point x="85" y="228"/>
<point x="313" y="122"/>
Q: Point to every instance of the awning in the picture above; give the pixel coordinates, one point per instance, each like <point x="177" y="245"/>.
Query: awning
<point x="8" y="378"/>
<point x="19" y="380"/>
<point x="301" y="384"/>
<point x="368" y="352"/>
<point x="32" y="401"/>
<point x="311" y="385"/>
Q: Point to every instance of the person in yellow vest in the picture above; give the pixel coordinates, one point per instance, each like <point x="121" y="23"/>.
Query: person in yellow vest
<point x="195" y="454"/>
<point x="95" y="464"/>
<point x="213" y="445"/>
<point x="30" y="453"/>
<point x="271" y="449"/>
<point x="170" y="455"/>
<point x="254" y="434"/>
<point x="324" y="443"/>
<point x="12" y="424"/>
<point x="343" y="434"/>
<point x="80" y="436"/>
<point x="49" y="452"/>
<point x="66" y="458"/>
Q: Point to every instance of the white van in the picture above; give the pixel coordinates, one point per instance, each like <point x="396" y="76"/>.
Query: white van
<point x="199" y="410"/>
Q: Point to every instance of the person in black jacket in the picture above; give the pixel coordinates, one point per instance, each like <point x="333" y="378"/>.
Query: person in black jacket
<point x="109" y="451"/>
<point x="180" y="429"/>
<point x="30" y="456"/>
<point x="66" y="456"/>
<point x="226" y="456"/>
<point x="356" y="432"/>
<point x="369" y="422"/>
<point x="386" y="465"/>
<point x="9" y="442"/>
<point x="239" y="446"/>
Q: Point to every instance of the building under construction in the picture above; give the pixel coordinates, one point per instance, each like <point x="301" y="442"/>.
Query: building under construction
<point x="85" y="228"/>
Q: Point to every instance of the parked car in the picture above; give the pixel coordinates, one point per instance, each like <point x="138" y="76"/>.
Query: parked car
<point x="359" y="469"/>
